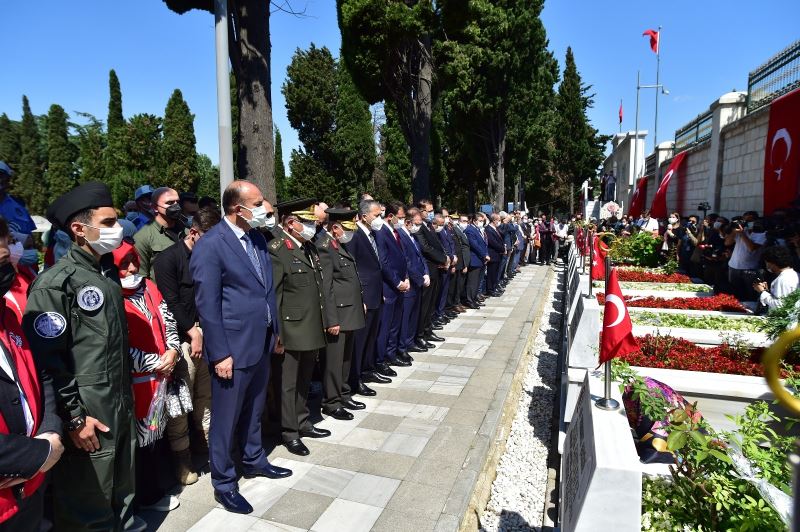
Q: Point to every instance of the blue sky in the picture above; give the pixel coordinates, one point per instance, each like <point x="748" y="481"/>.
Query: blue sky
<point x="60" y="52"/>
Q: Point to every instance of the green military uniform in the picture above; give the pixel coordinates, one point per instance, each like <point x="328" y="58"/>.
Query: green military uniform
<point x="75" y="323"/>
<point x="297" y="277"/>
<point x="151" y="240"/>
<point x="339" y="272"/>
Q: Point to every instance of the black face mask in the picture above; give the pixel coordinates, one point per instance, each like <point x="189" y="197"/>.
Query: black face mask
<point x="7" y="276"/>
<point x="173" y="212"/>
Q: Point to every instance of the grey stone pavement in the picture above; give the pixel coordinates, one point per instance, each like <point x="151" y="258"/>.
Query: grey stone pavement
<point x="411" y="460"/>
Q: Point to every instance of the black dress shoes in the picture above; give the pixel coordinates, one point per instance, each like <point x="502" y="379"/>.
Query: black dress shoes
<point x="233" y="501"/>
<point x="398" y="362"/>
<point x="315" y="433"/>
<point x="473" y="306"/>
<point x="434" y="338"/>
<point x="418" y="347"/>
<point x="405" y="357"/>
<point x="352" y="404"/>
<point x="437" y="326"/>
<point x="339" y="413"/>
<point x="269" y="471"/>
<point x="365" y="390"/>
<point x="451" y="314"/>
<point x="374" y="376"/>
<point x="296" y="447"/>
<point x="384" y="369"/>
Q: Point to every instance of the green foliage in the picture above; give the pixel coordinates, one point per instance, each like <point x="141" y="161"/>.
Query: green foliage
<point x="10" y="151"/>
<point x="280" y="169"/>
<point x="309" y="179"/>
<point x="141" y="159"/>
<point x="116" y="166"/>
<point x="29" y="180"/>
<point x="651" y="401"/>
<point x="91" y="144"/>
<point x="208" y="178"/>
<point x="178" y="146"/>
<point x="718" y="323"/>
<point x="115" y="120"/>
<point x="641" y="249"/>
<point x="61" y="155"/>
<point x="395" y="158"/>
<point x="783" y="318"/>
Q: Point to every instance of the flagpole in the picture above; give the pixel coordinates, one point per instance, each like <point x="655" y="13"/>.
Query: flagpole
<point x="658" y="71"/>
<point x="591" y="262"/>
<point x="636" y="133"/>
<point x="620" y="118"/>
<point x="607" y="403"/>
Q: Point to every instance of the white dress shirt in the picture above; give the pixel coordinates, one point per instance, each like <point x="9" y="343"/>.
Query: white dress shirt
<point x="783" y="285"/>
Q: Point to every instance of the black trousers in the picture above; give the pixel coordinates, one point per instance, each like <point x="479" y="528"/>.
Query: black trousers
<point x="457" y="284"/>
<point x="364" y="341"/>
<point x="429" y="301"/>
<point x="473" y="284"/>
<point x="29" y="516"/>
<point x="337" y="361"/>
<point x="492" y="269"/>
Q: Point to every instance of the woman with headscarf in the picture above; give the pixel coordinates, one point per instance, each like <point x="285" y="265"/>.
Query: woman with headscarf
<point x="154" y="347"/>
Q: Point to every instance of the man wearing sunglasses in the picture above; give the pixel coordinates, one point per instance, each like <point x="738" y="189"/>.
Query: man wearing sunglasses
<point x="162" y="231"/>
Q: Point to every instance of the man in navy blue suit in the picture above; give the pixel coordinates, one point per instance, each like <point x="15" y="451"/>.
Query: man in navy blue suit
<point x="420" y="279"/>
<point x="395" y="284"/>
<point x="478" y="257"/>
<point x="238" y="313"/>
<point x="497" y="251"/>
<point x="365" y="252"/>
<point x="438" y="262"/>
<point x="441" y="315"/>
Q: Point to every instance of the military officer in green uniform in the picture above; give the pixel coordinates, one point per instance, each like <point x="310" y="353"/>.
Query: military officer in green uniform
<point x="297" y="277"/>
<point x="339" y="273"/>
<point x="75" y="323"/>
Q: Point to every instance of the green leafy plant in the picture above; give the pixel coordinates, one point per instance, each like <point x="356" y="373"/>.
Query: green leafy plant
<point x="651" y="402"/>
<point x="641" y="249"/>
<point x="718" y="323"/>
<point x="784" y="317"/>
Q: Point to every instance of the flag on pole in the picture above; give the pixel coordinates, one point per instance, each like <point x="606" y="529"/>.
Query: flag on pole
<point x="659" y="207"/>
<point x="653" y="39"/>
<point x="598" y="260"/>
<point x="618" y="336"/>
<point x="620" y="111"/>
<point x="638" y="198"/>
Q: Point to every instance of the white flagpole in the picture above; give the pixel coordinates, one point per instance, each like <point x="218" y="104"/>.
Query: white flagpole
<point x="658" y="71"/>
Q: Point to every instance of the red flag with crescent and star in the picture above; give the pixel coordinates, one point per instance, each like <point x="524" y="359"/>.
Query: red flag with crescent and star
<point x="638" y="198"/>
<point x="598" y="260"/>
<point x="653" y="39"/>
<point x="618" y="336"/>
<point x="659" y="207"/>
<point x="782" y="153"/>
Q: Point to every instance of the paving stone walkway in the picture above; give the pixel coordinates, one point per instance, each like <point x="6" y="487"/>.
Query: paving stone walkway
<point x="410" y="460"/>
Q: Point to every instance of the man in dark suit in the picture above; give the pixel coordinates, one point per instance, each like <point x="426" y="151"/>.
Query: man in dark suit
<point x="419" y="278"/>
<point x="340" y="267"/>
<point x="479" y="257"/>
<point x="236" y="302"/>
<point x="494" y="241"/>
<point x="364" y="250"/>
<point x="438" y="262"/>
<point x="395" y="284"/>
<point x="442" y="315"/>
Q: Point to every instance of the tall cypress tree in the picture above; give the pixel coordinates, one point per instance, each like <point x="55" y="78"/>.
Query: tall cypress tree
<point x="9" y="141"/>
<point x="141" y="138"/>
<point x="178" y="151"/>
<point x="116" y="164"/>
<point x="208" y="184"/>
<point x="91" y="144"/>
<point x="280" y="169"/>
<point x="60" y="176"/>
<point x="29" y="185"/>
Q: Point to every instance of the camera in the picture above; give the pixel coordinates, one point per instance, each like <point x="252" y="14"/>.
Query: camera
<point x="705" y="206"/>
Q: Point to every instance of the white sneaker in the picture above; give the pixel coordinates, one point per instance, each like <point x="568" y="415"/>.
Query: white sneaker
<point x="167" y="503"/>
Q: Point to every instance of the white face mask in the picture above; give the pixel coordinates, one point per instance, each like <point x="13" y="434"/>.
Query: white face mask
<point x="439" y="228"/>
<point x="414" y="228"/>
<point x="346" y="237"/>
<point x="309" y="230"/>
<point x="271" y="222"/>
<point x="110" y="238"/>
<point x="376" y="224"/>
<point x="259" y="218"/>
<point x="717" y="225"/>
<point x="15" y="251"/>
<point x="673" y="220"/>
<point x="463" y="225"/>
<point x="131" y="281"/>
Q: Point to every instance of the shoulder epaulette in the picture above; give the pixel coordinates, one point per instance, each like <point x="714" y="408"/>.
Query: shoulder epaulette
<point x="275" y="244"/>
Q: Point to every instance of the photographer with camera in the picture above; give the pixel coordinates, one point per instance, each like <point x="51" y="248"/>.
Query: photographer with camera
<point x="779" y="262"/>
<point x="747" y="236"/>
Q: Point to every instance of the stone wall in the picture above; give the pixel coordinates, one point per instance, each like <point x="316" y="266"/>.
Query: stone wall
<point x="685" y="194"/>
<point x="742" y="183"/>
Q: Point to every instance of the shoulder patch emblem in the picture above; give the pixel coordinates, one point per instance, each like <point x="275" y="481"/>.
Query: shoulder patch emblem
<point x="275" y="244"/>
<point x="288" y="243"/>
<point x="50" y="324"/>
<point x="90" y="298"/>
<point x="326" y="243"/>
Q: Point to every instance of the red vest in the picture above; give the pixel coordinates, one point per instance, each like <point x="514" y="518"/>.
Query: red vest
<point x="17" y="346"/>
<point x="149" y="336"/>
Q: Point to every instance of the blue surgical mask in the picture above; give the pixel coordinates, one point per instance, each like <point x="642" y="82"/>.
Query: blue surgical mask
<point x="429" y="216"/>
<point x="62" y="244"/>
<point x="30" y="257"/>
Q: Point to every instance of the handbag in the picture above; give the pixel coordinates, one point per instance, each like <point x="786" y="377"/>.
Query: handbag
<point x="537" y="241"/>
<point x="179" y="399"/>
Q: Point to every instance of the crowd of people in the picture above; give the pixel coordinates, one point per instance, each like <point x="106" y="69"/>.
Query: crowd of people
<point x="174" y="330"/>
<point x="755" y="258"/>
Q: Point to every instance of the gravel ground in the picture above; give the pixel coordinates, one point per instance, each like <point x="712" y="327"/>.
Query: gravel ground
<point x="519" y="490"/>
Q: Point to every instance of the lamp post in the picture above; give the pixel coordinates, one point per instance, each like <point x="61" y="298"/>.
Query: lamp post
<point x="636" y="133"/>
<point x="223" y="95"/>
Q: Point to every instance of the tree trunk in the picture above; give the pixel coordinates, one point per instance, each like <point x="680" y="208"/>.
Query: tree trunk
<point x="251" y="61"/>
<point x="496" y="148"/>
<point x="419" y="138"/>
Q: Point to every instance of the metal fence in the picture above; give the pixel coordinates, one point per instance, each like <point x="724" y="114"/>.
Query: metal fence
<point x="779" y="75"/>
<point x="650" y="163"/>
<point x="694" y="132"/>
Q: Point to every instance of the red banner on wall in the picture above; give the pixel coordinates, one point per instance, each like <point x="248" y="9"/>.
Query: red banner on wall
<point x="638" y="198"/>
<point x="782" y="153"/>
<point x="659" y="207"/>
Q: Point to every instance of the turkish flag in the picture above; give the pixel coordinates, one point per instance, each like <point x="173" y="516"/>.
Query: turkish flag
<point x="620" y="112"/>
<point x="653" y="39"/>
<point x="637" y="200"/>
<point x="782" y="153"/>
<point x="598" y="260"/>
<point x="659" y="207"/>
<point x="618" y="336"/>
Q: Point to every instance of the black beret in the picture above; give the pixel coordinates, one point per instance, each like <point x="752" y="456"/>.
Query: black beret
<point x="89" y="195"/>
<point x="340" y="214"/>
<point x="288" y="207"/>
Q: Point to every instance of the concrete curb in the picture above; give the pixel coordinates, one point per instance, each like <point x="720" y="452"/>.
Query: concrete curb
<point x="482" y="489"/>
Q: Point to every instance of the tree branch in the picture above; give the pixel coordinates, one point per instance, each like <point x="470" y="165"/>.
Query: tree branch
<point x="285" y="6"/>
